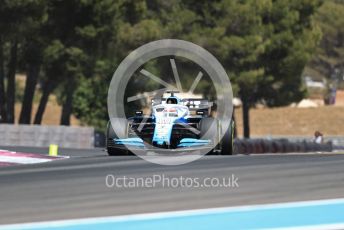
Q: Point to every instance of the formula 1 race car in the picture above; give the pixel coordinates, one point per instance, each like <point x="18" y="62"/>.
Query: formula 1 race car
<point x="174" y="125"/>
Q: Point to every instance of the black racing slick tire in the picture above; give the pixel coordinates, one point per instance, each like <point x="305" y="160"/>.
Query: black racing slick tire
<point x="227" y="140"/>
<point x="208" y="130"/>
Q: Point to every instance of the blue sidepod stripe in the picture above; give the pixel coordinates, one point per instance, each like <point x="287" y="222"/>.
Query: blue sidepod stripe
<point x="321" y="214"/>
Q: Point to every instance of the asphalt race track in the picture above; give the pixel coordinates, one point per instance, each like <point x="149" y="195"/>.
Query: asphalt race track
<point x="76" y="187"/>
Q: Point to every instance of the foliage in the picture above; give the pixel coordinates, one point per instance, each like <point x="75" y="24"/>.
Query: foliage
<point x="330" y="54"/>
<point x="264" y="45"/>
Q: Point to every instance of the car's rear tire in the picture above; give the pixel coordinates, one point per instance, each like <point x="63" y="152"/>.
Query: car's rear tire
<point x="227" y="141"/>
<point x="122" y="132"/>
<point x="208" y="130"/>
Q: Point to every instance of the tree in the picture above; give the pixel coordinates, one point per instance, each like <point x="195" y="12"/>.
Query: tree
<point x="34" y="43"/>
<point x="63" y="67"/>
<point x="106" y="46"/>
<point x="265" y="46"/>
<point x="129" y="24"/>
<point x="9" y="25"/>
<point x="33" y="56"/>
<point x="17" y="18"/>
<point x="2" y="84"/>
<point x="12" y="66"/>
<point x="53" y="63"/>
<point x="330" y="54"/>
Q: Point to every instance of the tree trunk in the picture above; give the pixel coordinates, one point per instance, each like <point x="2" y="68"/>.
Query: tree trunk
<point x="11" y="83"/>
<point x="246" y="116"/>
<point x="48" y="87"/>
<point x="3" y="115"/>
<point x="67" y="106"/>
<point x="30" y="86"/>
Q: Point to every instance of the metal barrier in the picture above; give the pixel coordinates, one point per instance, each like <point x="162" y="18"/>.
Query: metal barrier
<point x="43" y="136"/>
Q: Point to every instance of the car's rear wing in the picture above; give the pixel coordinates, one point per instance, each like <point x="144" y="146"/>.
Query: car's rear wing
<point x="193" y="104"/>
<point x="197" y="104"/>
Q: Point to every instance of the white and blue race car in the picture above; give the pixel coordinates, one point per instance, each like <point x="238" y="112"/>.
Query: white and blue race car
<point x="174" y="125"/>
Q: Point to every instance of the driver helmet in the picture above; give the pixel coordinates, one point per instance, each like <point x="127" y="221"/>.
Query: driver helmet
<point x="172" y="100"/>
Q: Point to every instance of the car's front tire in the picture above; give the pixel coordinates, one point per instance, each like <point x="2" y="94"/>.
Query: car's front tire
<point x="122" y="132"/>
<point x="227" y="141"/>
<point x="117" y="152"/>
<point x="208" y="130"/>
